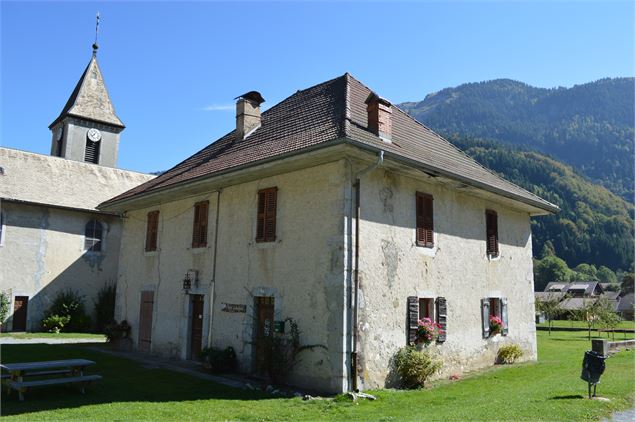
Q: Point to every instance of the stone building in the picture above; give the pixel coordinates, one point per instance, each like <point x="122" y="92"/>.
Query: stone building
<point x="336" y="209"/>
<point x="52" y="236"/>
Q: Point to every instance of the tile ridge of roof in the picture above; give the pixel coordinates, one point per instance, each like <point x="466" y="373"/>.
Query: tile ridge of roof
<point x="460" y="151"/>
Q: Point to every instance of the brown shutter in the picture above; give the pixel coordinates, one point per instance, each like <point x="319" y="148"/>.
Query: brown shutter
<point x="152" y="231"/>
<point x="413" y="319"/>
<point x="267" y="212"/>
<point x="442" y="320"/>
<point x="425" y="221"/>
<point x="491" y="222"/>
<point x="199" y="232"/>
<point x="485" y="315"/>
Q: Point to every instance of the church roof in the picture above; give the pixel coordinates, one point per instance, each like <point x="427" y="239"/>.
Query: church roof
<point x="26" y="177"/>
<point x="321" y="115"/>
<point x="90" y="99"/>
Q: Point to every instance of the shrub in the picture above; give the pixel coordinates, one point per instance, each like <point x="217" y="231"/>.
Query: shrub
<point x="55" y="323"/>
<point x="220" y="361"/>
<point x="105" y="306"/>
<point x="116" y="331"/>
<point x="415" y="367"/>
<point x="71" y="304"/>
<point x="5" y="303"/>
<point x="509" y="353"/>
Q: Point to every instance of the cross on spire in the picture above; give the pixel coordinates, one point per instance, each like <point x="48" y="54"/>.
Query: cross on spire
<point x="95" y="46"/>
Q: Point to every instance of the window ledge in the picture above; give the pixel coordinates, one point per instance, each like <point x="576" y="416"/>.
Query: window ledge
<point x="199" y="249"/>
<point x="491" y="258"/>
<point x="426" y="250"/>
<point x="151" y="253"/>
<point x="265" y="245"/>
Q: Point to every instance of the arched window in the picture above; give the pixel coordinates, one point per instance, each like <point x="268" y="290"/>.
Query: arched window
<point x="93" y="236"/>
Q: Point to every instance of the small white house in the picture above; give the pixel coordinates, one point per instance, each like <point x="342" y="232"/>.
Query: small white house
<point x="338" y="210"/>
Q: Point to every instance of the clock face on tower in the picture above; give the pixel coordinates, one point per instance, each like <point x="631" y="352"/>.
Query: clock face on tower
<point x="94" y="135"/>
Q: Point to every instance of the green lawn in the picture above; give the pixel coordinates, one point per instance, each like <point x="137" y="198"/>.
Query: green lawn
<point x="548" y="390"/>
<point x="581" y="324"/>
<point x="96" y="337"/>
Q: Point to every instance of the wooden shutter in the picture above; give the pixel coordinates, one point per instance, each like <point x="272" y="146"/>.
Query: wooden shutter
<point x="91" y="155"/>
<point x="485" y="315"/>
<point x="199" y="233"/>
<point x="267" y="211"/>
<point x="442" y="320"/>
<point x="425" y="222"/>
<point x="152" y="231"/>
<point x="491" y="222"/>
<point x="504" y="316"/>
<point x="413" y="319"/>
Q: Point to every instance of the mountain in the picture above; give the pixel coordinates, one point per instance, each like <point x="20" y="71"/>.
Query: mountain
<point x="594" y="226"/>
<point x="589" y="126"/>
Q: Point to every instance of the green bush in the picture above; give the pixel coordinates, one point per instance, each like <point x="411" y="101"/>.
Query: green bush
<point x="70" y="304"/>
<point x="5" y="303"/>
<point x="415" y="367"/>
<point x="220" y="361"/>
<point x="55" y="323"/>
<point x="105" y="306"/>
<point x="509" y="353"/>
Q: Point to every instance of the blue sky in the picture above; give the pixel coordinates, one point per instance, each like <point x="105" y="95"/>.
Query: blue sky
<point x="173" y="69"/>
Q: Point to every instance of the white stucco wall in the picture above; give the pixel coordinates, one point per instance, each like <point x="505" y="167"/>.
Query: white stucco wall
<point x="303" y="270"/>
<point x="43" y="253"/>
<point x="392" y="268"/>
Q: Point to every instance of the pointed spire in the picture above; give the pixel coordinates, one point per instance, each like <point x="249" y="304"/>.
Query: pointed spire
<point x="90" y="99"/>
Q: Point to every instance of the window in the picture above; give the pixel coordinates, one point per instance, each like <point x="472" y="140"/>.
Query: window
<point x="425" y="226"/>
<point x="92" y="152"/>
<point x="199" y="234"/>
<point x="93" y="236"/>
<point x="152" y="231"/>
<point x="424" y="307"/>
<point x="266" y="222"/>
<point x="491" y="222"/>
<point x="494" y="307"/>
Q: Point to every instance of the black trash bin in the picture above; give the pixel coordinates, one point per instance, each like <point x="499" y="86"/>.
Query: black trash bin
<point x="592" y="369"/>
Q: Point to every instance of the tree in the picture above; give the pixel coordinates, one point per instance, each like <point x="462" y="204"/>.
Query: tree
<point x="550" y="268"/>
<point x="606" y="275"/>
<point x="585" y="272"/>
<point x="547" y="249"/>
<point x="4" y="307"/>
<point x="549" y="306"/>
<point x="628" y="284"/>
<point x="589" y="313"/>
<point x="608" y="318"/>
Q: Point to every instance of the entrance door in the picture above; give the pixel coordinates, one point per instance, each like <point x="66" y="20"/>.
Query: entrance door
<point x="196" y="328"/>
<point x="20" y="306"/>
<point x="145" y="321"/>
<point x="264" y="333"/>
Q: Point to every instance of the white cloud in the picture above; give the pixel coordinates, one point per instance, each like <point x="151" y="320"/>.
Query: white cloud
<point x="219" y="107"/>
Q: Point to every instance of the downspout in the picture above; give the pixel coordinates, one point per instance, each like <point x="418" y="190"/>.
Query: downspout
<point x="358" y="209"/>
<point x="212" y="294"/>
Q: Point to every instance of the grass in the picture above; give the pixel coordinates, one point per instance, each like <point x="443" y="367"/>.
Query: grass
<point x="581" y="324"/>
<point x="548" y="390"/>
<point x="26" y="336"/>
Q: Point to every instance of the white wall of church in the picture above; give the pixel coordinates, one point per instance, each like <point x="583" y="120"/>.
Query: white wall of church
<point x="43" y="253"/>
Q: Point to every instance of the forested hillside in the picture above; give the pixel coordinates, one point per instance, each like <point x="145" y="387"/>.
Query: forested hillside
<point x="590" y="126"/>
<point x="595" y="226"/>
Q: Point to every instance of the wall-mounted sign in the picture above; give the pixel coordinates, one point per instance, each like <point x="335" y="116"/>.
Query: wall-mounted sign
<point x="234" y="307"/>
<point x="278" y="327"/>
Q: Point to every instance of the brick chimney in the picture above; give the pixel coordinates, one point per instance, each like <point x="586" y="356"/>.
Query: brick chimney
<point x="248" y="113"/>
<point x="379" y="116"/>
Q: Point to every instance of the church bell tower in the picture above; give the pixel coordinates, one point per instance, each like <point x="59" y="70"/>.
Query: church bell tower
<point x="88" y="129"/>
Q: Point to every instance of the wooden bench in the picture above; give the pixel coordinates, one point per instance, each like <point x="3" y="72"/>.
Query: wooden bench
<point x="73" y="369"/>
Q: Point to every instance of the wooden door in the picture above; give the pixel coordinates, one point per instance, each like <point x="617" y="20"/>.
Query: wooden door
<point x="20" y="306"/>
<point x="145" y="321"/>
<point x="264" y="333"/>
<point x="196" y="327"/>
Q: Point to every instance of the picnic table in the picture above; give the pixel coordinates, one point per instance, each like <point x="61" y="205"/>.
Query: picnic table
<point x="71" y="369"/>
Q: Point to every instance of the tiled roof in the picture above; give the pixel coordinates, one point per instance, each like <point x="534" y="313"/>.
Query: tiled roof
<point x="90" y="99"/>
<point x="329" y="111"/>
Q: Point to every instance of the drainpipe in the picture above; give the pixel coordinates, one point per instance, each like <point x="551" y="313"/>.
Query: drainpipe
<point x="358" y="209"/>
<point x="212" y="294"/>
